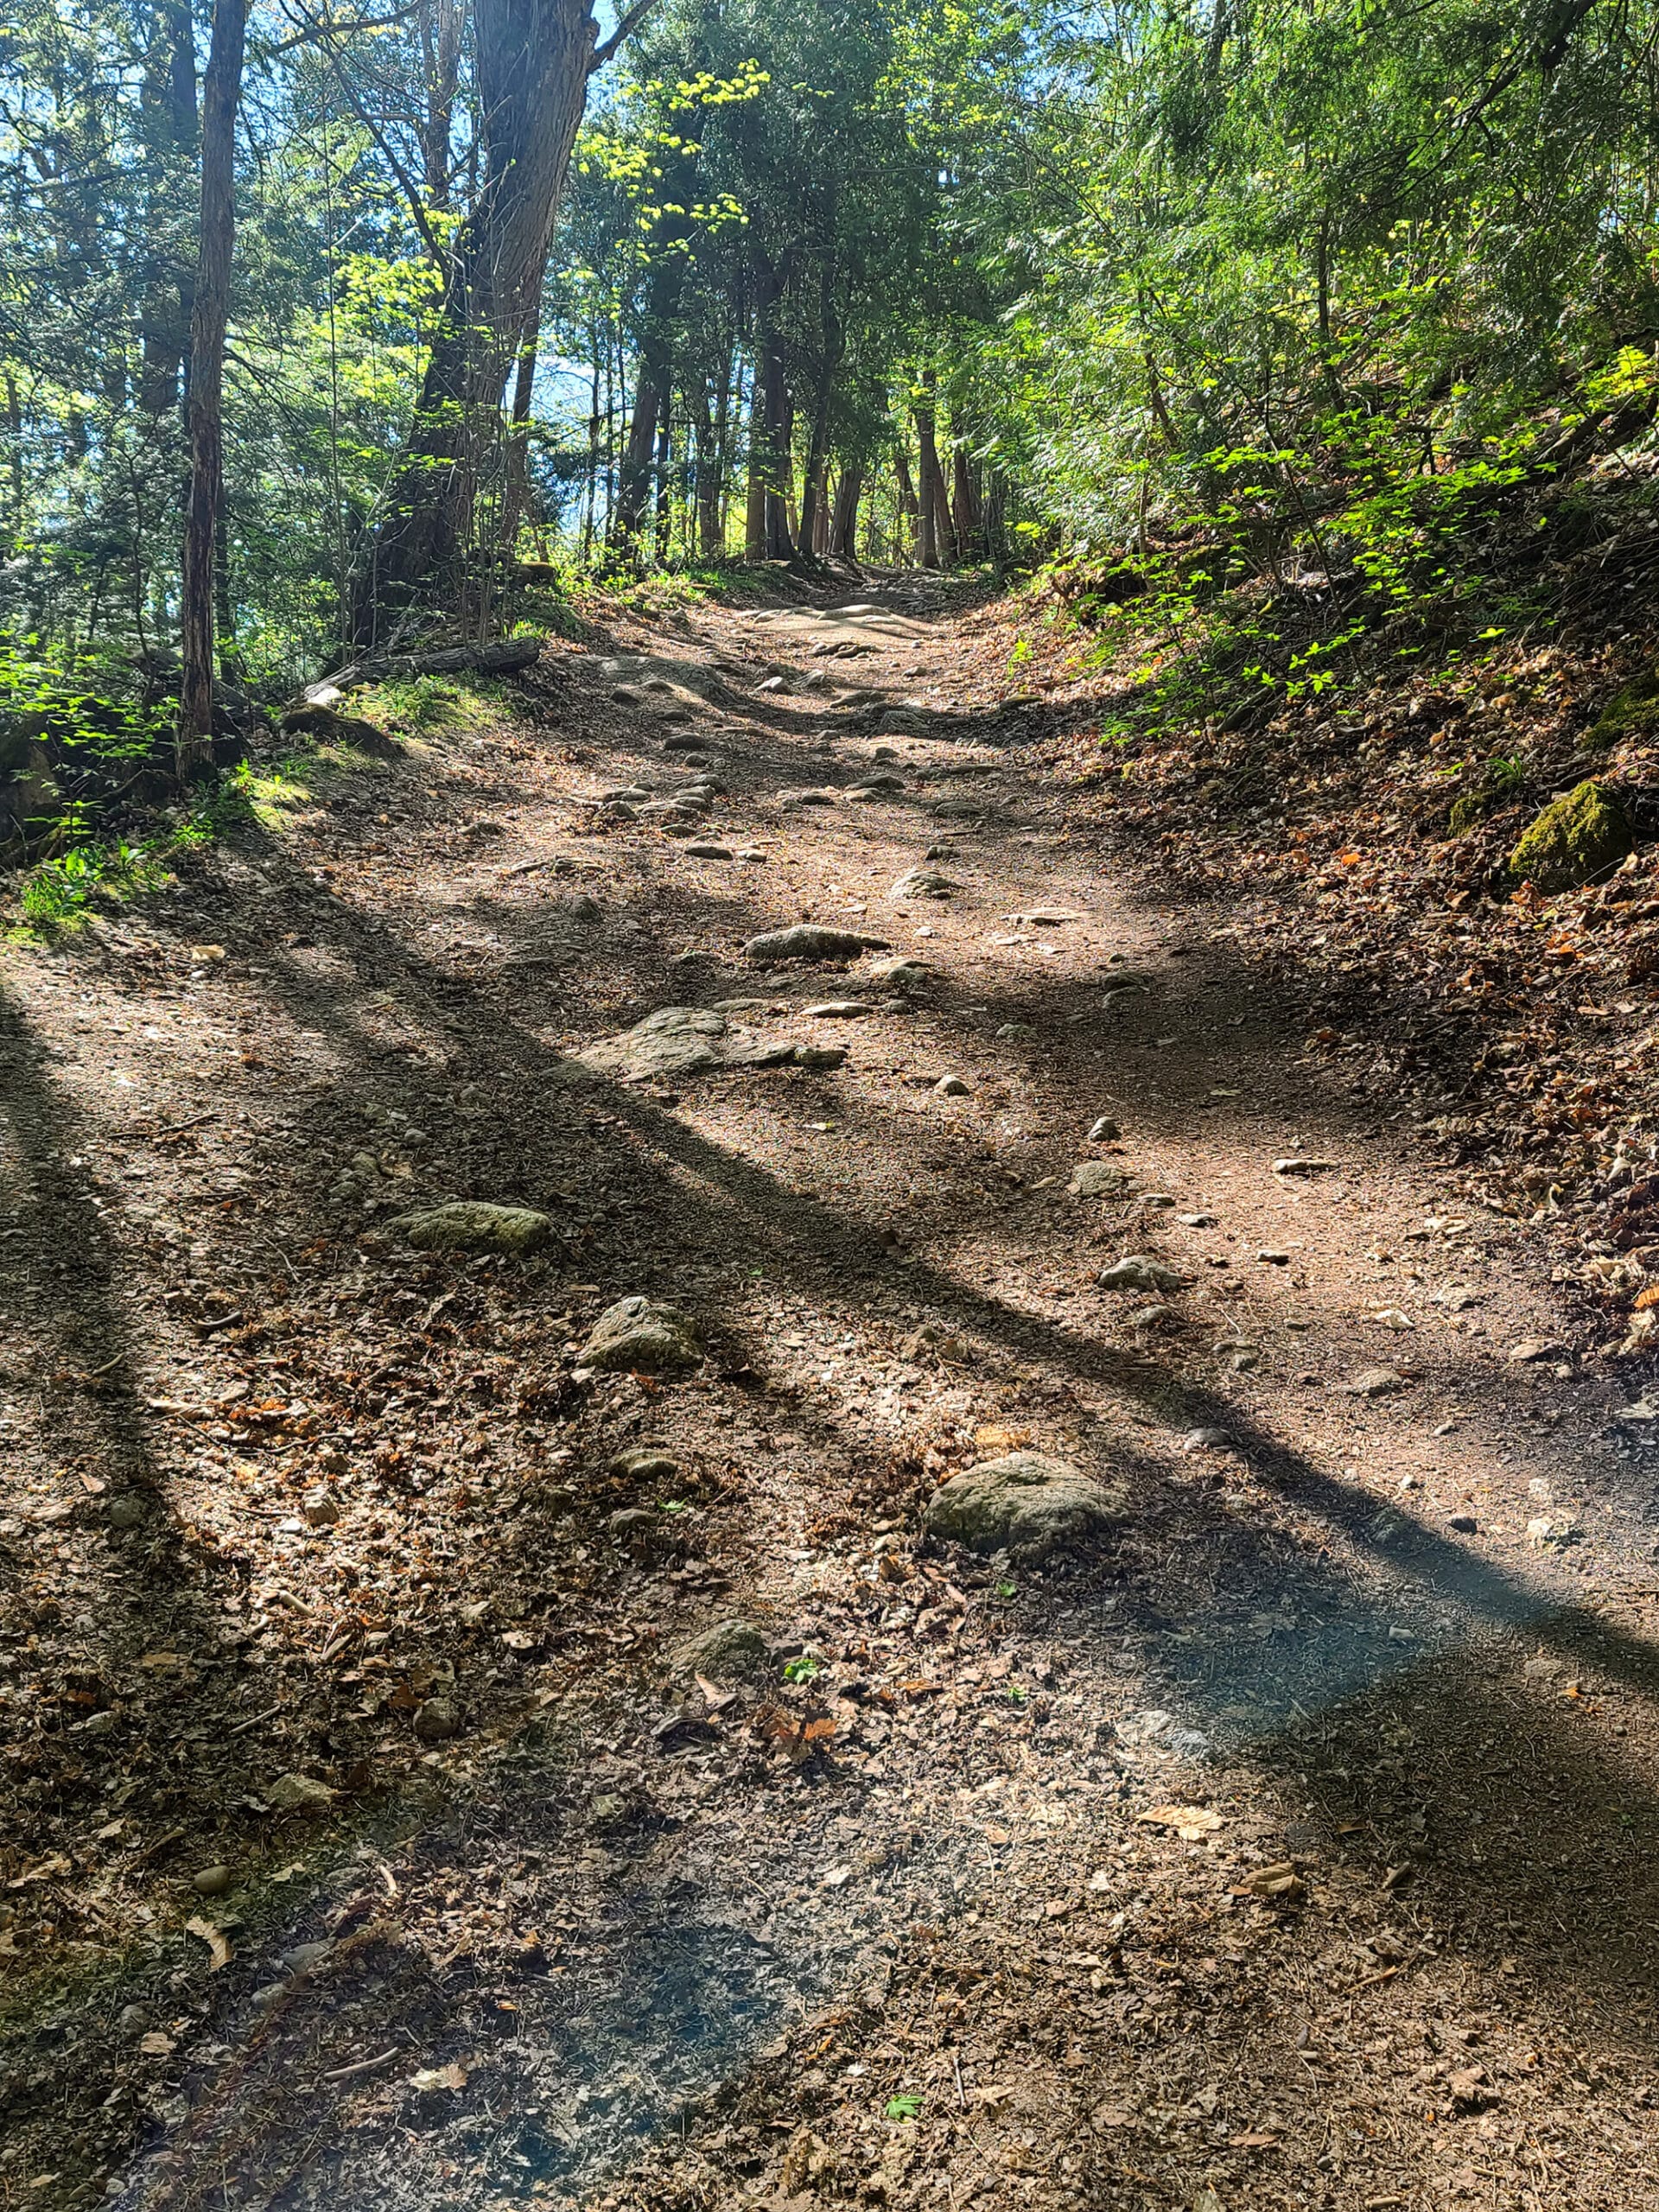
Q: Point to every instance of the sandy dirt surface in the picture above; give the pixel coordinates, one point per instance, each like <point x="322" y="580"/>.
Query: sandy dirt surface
<point x="376" y="1831"/>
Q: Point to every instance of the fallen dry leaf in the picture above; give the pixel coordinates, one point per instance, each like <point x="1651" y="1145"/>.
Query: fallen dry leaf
<point x="1190" y="1822"/>
<point x="452" y="2076"/>
<point x="213" y="1938"/>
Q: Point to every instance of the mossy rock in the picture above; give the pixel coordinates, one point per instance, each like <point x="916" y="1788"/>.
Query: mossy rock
<point x="1576" y="838"/>
<point x="1632" y="712"/>
<point x="328" y="726"/>
<point x="474" y="1225"/>
<point x="1471" y="808"/>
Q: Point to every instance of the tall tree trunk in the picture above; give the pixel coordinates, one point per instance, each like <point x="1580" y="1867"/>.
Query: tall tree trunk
<point x="754" y="519"/>
<point x="768" y="536"/>
<point x="532" y="61"/>
<point x="969" y="534"/>
<point x="817" y="445"/>
<point x="909" y="504"/>
<point x="844" y="524"/>
<point x="439" y="29"/>
<point x="221" y="91"/>
<point x="664" y="489"/>
<point x="938" y="537"/>
<point x="168" y="106"/>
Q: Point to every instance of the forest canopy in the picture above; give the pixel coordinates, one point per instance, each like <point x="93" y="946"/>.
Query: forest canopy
<point x="322" y="327"/>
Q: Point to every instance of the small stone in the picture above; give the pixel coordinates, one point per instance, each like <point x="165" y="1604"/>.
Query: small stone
<point x="474" y="1225"/>
<point x="1017" y="1032"/>
<point x="646" y="1536"/>
<point x="298" y="1793"/>
<point x="580" y="905"/>
<point x="1104" y="1131"/>
<point x="1531" y="1349"/>
<point x="1296" y="1165"/>
<point x="701" y="850"/>
<point x="1138" y="1272"/>
<point x="901" y="975"/>
<point x="1024" y="1504"/>
<point x="729" y="1648"/>
<point x="819" y="1056"/>
<point x="950" y="1086"/>
<point x="1373" y="1383"/>
<point x="637" y="1335"/>
<point x="435" y="1720"/>
<point x="321" y="1511"/>
<point x="808" y="941"/>
<point x="644" y="1464"/>
<point x="1273" y="1259"/>
<point x="1464" y="1523"/>
<point x="1097" y="1178"/>
<point x="1205" y="1440"/>
<point x="837" y="1010"/>
<point x="124" y="1511"/>
<point x="211" y="1882"/>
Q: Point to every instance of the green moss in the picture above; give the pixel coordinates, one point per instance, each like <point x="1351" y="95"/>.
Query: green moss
<point x="1632" y="712"/>
<point x="1575" y="838"/>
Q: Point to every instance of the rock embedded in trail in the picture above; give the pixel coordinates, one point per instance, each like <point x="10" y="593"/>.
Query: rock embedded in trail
<point x="298" y="1793"/>
<point x="1026" y="1504"/>
<point x="474" y="1225"/>
<point x="819" y="1056"/>
<point x="901" y="975"/>
<point x="1097" y="1178"/>
<point x="1373" y="1382"/>
<point x="1104" y="1131"/>
<point x="1139" y="1273"/>
<point x="702" y="850"/>
<point x="950" y="1086"/>
<point x="838" y="1010"/>
<point x="810" y="941"/>
<point x="638" y="1335"/>
<point x="924" y="883"/>
<point x="644" y="1463"/>
<point x="728" y="1648"/>
<point x="676" y="1040"/>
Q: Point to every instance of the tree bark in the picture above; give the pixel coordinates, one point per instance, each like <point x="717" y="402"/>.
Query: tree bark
<point x="221" y="91"/>
<point x="168" y="103"/>
<point x="533" y="59"/>
<point x="969" y="530"/>
<point x="768" y="536"/>
<point x="908" y="502"/>
<point x="844" y="523"/>
<point x="938" y="537"/>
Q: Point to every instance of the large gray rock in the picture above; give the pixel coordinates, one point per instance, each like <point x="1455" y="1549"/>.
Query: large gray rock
<point x="475" y="1225"/>
<point x="810" y="941"/>
<point x="637" y="1335"/>
<point x="1026" y="1504"/>
<point x="676" y="1040"/>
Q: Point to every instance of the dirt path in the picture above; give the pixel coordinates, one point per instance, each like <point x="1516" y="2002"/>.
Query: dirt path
<point x="1294" y="1847"/>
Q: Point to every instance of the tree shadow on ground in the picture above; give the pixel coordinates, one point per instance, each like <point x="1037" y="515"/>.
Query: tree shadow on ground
<point x="687" y="1191"/>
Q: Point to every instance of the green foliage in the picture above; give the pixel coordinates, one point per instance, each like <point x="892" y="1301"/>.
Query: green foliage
<point x="424" y="702"/>
<point x="908" y="2107"/>
<point x="58" y="890"/>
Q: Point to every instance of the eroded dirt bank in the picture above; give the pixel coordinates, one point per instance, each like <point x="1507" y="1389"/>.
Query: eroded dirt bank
<point x="371" y="1839"/>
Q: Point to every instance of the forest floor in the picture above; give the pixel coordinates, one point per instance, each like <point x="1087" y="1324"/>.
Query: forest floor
<point x="370" y="1836"/>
